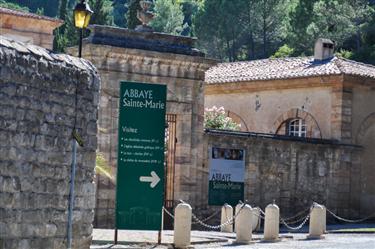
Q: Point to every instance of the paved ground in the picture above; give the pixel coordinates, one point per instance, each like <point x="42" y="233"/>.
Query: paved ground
<point x="103" y="239"/>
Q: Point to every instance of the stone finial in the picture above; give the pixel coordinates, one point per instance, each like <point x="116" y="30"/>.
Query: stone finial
<point x="145" y="16"/>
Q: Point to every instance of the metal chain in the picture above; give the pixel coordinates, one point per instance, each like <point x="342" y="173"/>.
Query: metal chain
<point x="228" y="222"/>
<point x="167" y="212"/>
<point x="350" y="221"/>
<point x="260" y="215"/>
<point x="208" y="218"/>
<point x="262" y="212"/>
<point x="296" y="221"/>
<point x="297" y="215"/>
<point x="298" y="227"/>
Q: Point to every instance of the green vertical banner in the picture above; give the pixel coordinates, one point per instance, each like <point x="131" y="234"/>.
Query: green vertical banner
<point x="140" y="165"/>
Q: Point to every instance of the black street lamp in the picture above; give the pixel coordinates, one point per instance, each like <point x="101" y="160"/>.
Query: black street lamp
<point x="82" y="15"/>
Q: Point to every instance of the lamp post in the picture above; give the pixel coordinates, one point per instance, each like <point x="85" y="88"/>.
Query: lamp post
<point x="82" y="14"/>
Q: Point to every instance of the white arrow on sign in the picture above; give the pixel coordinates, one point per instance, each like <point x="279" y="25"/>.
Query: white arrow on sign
<point x="153" y="179"/>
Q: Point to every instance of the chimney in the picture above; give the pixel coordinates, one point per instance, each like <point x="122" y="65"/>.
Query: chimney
<point x="324" y="49"/>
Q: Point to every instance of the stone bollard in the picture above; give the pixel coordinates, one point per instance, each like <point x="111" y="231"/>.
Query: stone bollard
<point x="271" y="223"/>
<point x="317" y="222"/>
<point x="256" y="219"/>
<point x="244" y="225"/>
<point x="226" y="214"/>
<point x="182" y="225"/>
<point x="237" y="209"/>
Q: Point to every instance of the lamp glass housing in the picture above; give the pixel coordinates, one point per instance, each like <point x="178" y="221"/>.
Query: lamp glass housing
<point x="82" y="15"/>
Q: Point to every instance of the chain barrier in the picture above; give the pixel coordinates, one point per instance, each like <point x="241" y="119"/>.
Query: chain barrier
<point x="284" y="221"/>
<point x="262" y="212"/>
<point x="228" y="222"/>
<point x="297" y="215"/>
<point x="350" y="221"/>
<point x="208" y="218"/>
<point x="167" y="212"/>
<point x="260" y="215"/>
<point x="298" y="227"/>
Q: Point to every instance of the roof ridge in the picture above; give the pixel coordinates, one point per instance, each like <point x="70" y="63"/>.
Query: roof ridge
<point x="265" y="59"/>
<point x="356" y="62"/>
<point x="29" y="14"/>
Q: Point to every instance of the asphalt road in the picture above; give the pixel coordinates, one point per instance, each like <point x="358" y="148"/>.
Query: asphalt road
<point x="288" y="241"/>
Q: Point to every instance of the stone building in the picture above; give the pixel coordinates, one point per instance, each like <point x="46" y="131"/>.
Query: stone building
<point x="148" y="57"/>
<point x="28" y="27"/>
<point x="320" y="97"/>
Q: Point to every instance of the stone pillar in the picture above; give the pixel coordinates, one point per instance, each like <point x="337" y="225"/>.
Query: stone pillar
<point x="227" y="215"/>
<point x="271" y="223"/>
<point x="146" y="57"/>
<point x="182" y="225"/>
<point x="244" y="225"/>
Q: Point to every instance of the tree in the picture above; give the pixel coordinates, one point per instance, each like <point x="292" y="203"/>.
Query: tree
<point x="61" y="38"/>
<point x="283" y="51"/>
<point x="189" y="9"/>
<point x="300" y="18"/>
<point x="217" y="27"/>
<point x="102" y="12"/>
<point x="13" y="6"/>
<point x="50" y="7"/>
<point x="340" y="20"/>
<point x="119" y="11"/>
<point x="131" y="15"/>
<point x="216" y="118"/>
<point x="168" y="17"/>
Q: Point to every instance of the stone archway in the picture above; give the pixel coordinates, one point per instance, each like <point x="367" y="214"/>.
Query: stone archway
<point x="366" y="138"/>
<point x="313" y="129"/>
<point x="238" y="119"/>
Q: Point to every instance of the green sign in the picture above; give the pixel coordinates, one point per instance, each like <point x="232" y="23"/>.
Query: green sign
<point x="226" y="176"/>
<point x="140" y="167"/>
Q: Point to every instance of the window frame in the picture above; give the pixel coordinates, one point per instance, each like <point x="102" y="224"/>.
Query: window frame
<point x="297" y="127"/>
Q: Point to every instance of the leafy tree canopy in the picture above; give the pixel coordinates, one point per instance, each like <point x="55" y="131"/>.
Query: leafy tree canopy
<point x="169" y="17"/>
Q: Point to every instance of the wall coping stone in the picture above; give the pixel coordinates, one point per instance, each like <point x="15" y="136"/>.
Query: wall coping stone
<point x="39" y="52"/>
<point x="153" y="41"/>
<point x="279" y="137"/>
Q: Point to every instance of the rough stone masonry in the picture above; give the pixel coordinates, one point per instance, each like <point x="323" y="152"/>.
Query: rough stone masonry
<point x="37" y="113"/>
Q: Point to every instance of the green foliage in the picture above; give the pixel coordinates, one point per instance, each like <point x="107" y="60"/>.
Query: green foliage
<point x="216" y="118"/>
<point x="168" y="17"/>
<point x="102" y="12"/>
<point x="50" y="7"/>
<point x="344" y="54"/>
<point x="119" y="11"/>
<point x="13" y="6"/>
<point x="243" y="29"/>
<point x="131" y="15"/>
<point x="283" y="51"/>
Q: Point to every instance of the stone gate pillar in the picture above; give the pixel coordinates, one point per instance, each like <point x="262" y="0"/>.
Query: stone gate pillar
<point x="127" y="55"/>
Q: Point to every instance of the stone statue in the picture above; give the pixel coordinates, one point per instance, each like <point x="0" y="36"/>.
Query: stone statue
<point x="145" y="16"/>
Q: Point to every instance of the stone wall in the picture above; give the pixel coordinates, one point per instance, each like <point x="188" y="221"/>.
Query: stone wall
<point x="294" y="173"/>
<point x="37" y="112"/>
<point x="265" y="106"/>
<point x="28" y="27"/>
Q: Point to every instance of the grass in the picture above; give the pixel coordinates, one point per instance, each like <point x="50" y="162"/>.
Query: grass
<point x="356" y="230"/>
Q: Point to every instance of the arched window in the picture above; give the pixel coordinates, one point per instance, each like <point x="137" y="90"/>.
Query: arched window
<point x="296" y="127"/>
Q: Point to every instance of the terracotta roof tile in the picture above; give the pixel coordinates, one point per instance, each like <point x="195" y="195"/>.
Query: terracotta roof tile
<point x="297" y="67"/>
<point x="30" y="15"/>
